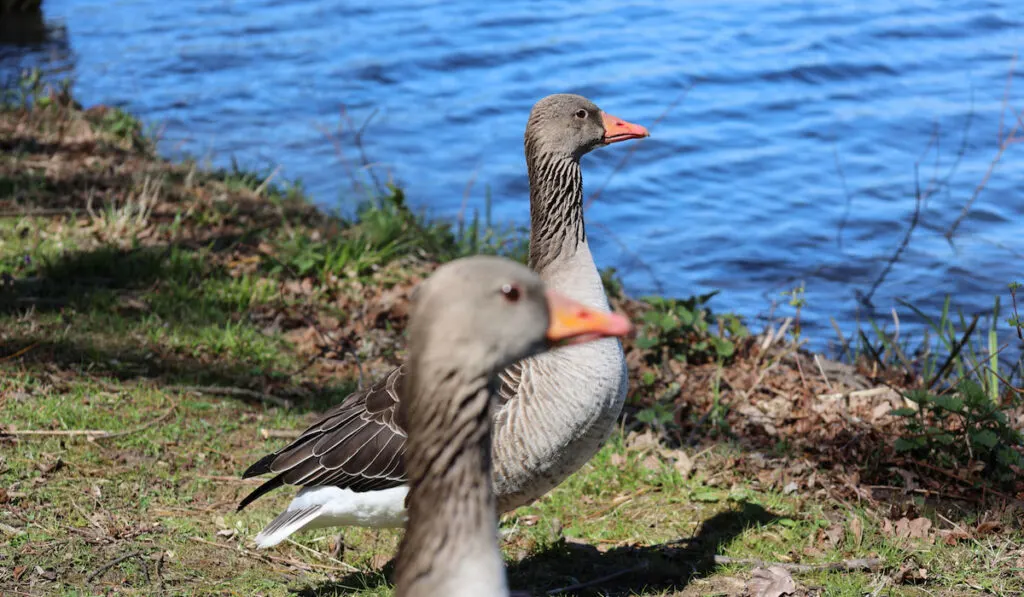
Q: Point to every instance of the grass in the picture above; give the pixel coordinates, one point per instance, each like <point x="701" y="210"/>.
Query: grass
<point x="163" y="325"/>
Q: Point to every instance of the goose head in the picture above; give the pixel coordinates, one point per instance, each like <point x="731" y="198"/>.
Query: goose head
<point x="568" y="125"/>
<point x="485" y="313"/>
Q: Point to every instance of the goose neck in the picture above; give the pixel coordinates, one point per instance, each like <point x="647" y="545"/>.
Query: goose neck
<point x="450" y="546"/>
<point x="556" y="208"/>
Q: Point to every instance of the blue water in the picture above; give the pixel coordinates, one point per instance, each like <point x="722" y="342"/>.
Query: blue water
<point x="739" y="187"/>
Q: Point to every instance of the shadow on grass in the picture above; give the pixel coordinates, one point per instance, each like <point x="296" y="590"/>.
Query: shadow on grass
<point x="658" y="568"/>
<point x="239" y="381"/>
<point x="108" y="297"/>
<point x="652" y="569"/>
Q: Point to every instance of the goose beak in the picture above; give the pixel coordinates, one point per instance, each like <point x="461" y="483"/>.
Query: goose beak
<point x="575" y="323"/>
<point x="617" y="129"/>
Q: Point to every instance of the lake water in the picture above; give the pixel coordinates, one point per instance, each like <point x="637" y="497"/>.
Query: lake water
<point x="791" y="157"/>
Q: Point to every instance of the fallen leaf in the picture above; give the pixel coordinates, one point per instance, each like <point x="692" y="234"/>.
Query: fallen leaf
<point x="790" y="487"/>
<point x="915" y="529"/>
<point x="640" y="441"/>
<point x="46" y="574"/>
<point x="682" y="463"/>
<point x="226" y="533"/>
<point x="18" y="571"/>
<point x="834" y="533"/>
<point x="652" y="463"/>
<point x="953" y="536"/>
<point x="909" y="479"/>
<point x="617" y="460"/>
<point x="857" y="529"/>
<point x="50" y="467"/>
<point x="379" y="560"/>
<point x="774" y="581"/>
<point x="989" y="526"/>
<point x="529" y="520"/>
<point x="906" y="528"/>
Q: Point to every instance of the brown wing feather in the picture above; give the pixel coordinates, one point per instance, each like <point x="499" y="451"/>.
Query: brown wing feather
<point x="355" y="445"/>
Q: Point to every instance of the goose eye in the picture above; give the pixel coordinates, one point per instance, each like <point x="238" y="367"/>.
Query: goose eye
<point x="511" y="292"/>
<point x="581" y="113"/>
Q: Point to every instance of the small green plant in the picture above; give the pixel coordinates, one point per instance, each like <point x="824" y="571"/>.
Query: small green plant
<point x="683" y="330"/>
<point x="798" y="301"/>
<point x="1015" y="320"/>
<point x="612" y="283"/>
<point x="961" y="429"/>
<point x="478" y="237"/>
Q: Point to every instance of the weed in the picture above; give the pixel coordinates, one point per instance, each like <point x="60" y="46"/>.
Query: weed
<point x="115" y="223"/>
<point x="798" y="301"/>
<point x="681" y="329"/>
<point x="962" y="429"/>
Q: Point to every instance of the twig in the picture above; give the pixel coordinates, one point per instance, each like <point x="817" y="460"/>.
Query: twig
<point x="231" y="479"/>
<point x="636" y="259"/>
<point x="597" y="581"/>
<point x="20" y="352"/>
<point x="817" y="361"/>
<point x="849" y="565"/>
<point x="266" y="182"/>
<point x="321" y="555"/>
<point x="158" y="568"/>
<point x="279" y="433"/>
<point x="1004" y="144"/>
<point x="953" y="354"/>
<point x="846" y="193"/>
<point x="288" y="561"/>
<point x="634" y="147"/>
<point x="57" y="211"/>
<point x="232" y="391"/>
<point x="102" y="569"/>
<point x="56" y="432"/>
<point x="869" y="393"/>
<point x="90" y="434"/>
<point x="914" y="220"/>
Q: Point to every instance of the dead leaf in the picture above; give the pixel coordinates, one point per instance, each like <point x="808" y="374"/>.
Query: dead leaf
<point x="909" y="478"/>
<point x="18" y="571"/>
<point x="379" y="560"/>
<point x="917" y="528"/>
<point x="50" y="467"/>
<point x="45" y="574"/>
<point x="226" y="533"/>
<point x="911" y="572"/>
<point x="834" y="533"/>
<point x="680" y="461"/>
<point x="905" y="528"/>
<point x="986" y="527"/>
<point x="652" y="463"/>
<point x="617" y="460"/>
<point x="774" y="581"/>
<point x="640" y="441"/>
<point x="953" y="536"/>
<point x="857" y="529"/>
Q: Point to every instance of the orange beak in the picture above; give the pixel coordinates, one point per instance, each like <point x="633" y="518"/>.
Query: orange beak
<point x="617" y="129"/>
<point x="574" y="323"/>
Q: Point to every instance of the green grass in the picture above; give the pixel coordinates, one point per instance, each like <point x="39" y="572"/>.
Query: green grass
<point x="158" y="316"/>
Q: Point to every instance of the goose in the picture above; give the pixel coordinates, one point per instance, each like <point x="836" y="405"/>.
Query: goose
<point x="471" y="319"/>
<point x="557" y="408"/>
